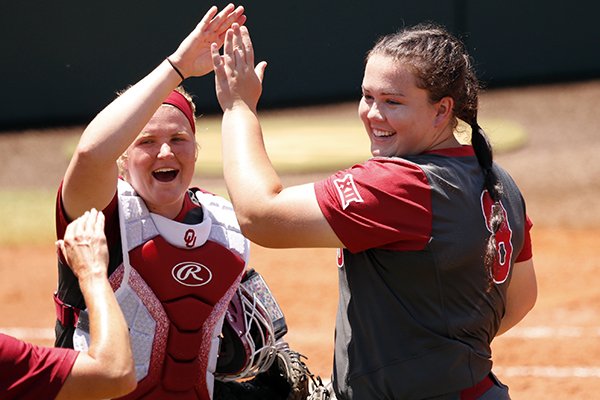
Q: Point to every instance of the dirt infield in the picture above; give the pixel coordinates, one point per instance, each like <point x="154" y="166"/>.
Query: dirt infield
<point x="553" y="353"/>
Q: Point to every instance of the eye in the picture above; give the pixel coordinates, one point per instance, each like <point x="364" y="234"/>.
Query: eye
<point x="179" y="139"/>
<point x="393" y="102"/>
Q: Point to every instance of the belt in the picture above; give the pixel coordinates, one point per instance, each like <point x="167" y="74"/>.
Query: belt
<point x="474" y="392"/>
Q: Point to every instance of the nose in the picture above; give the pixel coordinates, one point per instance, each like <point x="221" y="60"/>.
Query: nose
<point x="165" y="151"/>
<point x="374" y="112"/>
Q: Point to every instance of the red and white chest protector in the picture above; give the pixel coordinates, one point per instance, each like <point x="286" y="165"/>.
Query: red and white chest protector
<point x="174" y="286"/>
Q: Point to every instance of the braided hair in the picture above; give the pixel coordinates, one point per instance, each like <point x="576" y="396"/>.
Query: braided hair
<point x="443" y="68"/>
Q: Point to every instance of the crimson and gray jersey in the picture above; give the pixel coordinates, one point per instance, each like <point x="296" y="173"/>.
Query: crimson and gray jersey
<point x="415" y="315"/>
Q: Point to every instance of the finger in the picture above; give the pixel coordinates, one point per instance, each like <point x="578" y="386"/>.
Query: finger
<point x="235" y="16"/>
<point x="226" y="11"/>
<point x="219" y="21"/>
<point x="80" y="229"/>
<point x="216" y="57"/>
<point x="242" y="19"/>
<point x="60" y="245"/>
<point x="69" y="236"/>
<point x="207" y="17"/>
<point x="99" y="225"/>
<point x="78" y="225"/>
<point x="100" y="221"/>
<point x="238" y="44"/>
<point x="247" y="43"/>
<point x="89" y="220"/>
<point x="93" y="221"/>
<point x="61" y="248"/>
<point x="228" y="43"/>
<point x="260" y="70"/>
<point x="218" y="67"/>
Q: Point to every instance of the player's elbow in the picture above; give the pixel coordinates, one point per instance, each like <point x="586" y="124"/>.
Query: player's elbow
<point x="259" y="231"/>
<point x="530" y="300"/>
<point x="521" y="295"/>
<point x="253" y="223"/>
<point x="253" y="232"/>
<point x="118" y="372"/>
<point x="526" y="285"/>
<point x="92" y="380"/>
<point x="125" y="379"/>
<point x="124" y="383"/>
<point x="118" y="381"/>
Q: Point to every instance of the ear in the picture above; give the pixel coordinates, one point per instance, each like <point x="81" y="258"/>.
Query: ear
<point x="444" y="110"/>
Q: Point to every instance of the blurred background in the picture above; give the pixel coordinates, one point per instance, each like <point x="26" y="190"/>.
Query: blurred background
<point x="63" y="60"/>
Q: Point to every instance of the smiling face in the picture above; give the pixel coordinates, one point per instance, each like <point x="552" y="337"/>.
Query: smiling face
<point x="160" y="163"/>
<point x="398" y="116"/>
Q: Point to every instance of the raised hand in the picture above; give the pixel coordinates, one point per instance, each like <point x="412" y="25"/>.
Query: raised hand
<point x="193" y="56"/>
<point x="237" y="79"/>
<point x="84" y="246"/>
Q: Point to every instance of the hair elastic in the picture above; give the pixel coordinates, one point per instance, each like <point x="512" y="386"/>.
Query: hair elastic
<point x="176" y="70"/>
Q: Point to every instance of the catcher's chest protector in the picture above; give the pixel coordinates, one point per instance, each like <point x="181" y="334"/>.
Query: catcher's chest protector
<point x="174" y="287"/>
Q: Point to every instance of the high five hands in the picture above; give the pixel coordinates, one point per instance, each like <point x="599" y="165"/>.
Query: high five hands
<point x="193" y="56"/>
<point x="238" y="81"/>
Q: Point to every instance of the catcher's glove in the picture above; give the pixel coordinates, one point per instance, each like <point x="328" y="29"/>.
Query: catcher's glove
<point x="252" y="347"/>
<point x="288" y="378"/>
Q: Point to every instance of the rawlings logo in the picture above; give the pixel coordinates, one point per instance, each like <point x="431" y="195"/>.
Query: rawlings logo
<point x="347" y="190"/>
<point x="191" y="274"/>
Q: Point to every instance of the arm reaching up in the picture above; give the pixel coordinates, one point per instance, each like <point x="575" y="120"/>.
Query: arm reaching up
<point x="107" y="370"/>
<point x="265" y="209"/>
<point x="91" y="177"/>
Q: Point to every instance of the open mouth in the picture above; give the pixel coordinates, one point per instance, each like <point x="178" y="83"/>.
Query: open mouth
<point x="165" y="174"/>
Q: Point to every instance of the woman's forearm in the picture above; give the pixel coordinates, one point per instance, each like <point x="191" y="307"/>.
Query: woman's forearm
<point x="106" y="370"/>
<point x="117" y="125"/>
<point x="250" y="177"/>
<point x="109" y="335"/>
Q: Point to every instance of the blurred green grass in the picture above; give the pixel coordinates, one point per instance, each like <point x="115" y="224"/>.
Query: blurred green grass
<point x="28" y="217"/>
<point x="304" y="144"/>
<point x="296" y="142"/>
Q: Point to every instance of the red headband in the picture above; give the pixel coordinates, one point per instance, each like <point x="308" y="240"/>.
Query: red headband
<point x="178" y="100"/>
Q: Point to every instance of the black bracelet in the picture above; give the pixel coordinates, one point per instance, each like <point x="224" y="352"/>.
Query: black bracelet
<point x="176" y="69"/>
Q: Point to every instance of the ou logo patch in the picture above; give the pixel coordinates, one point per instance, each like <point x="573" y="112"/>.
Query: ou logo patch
<point x="190" y="273"/>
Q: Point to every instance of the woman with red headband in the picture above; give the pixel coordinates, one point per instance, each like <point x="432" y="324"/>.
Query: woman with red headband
<point x="176" y="254"/>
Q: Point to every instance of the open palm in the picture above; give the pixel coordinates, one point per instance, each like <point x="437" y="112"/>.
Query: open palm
<point x="193" y="56"/>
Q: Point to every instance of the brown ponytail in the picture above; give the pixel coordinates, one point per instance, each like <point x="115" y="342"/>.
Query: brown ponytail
<point x="484" y="154"/>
